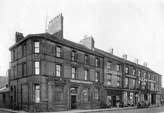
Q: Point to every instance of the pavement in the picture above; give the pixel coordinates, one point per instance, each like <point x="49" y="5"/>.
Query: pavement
<point x="73" y="111"/>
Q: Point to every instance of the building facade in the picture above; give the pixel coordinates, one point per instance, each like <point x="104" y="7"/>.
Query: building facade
<point x="50" y="73"/>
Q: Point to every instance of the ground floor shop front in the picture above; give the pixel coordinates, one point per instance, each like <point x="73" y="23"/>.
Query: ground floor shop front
<point x="58" y="95"/>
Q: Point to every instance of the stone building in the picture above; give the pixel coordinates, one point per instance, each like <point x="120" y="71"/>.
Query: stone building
<point x="50" y="73"/>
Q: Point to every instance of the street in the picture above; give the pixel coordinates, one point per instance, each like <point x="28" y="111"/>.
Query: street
<point x="147" y="110"/>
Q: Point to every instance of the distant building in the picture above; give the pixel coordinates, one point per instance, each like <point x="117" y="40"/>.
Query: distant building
<point x="50" y="73"/>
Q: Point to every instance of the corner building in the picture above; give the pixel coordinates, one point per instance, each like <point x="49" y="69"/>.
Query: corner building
<point x="50" y="73"/>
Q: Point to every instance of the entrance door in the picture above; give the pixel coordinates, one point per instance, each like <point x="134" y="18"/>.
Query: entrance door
<point x="73" y="102"/>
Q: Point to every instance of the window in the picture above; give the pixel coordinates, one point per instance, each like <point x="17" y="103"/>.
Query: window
<point x="109" y="65"/>
<point x="144" y="75"/>
<point x="59" y="95"/>
<point x="109" y="79"/>
<point x="36" y="47"/>
<point x="37" y="93"/>
<point x="74" y="56"/>
<point x="58" y="51"/>
<point x="97" y="76"/>
<point x="85" y="95"/>
<point x="86" y="75"/>
<point x="37" y="67"/>
<point x="58" y="70"/>
<point x="97" y="62"/>
<point x="118" y="81"/>
<point x="139" y="73"/>
<point x="126" y="82"/>
<point x="23" y="69"/>
<point x="134" y="72"/>
<point x="126" y="70"/>
<point x="24" y="49"/>
<point x="86" y="59"/>
<point x="117" y="67"/>
<point x="148" y="77"/>
<point x="73" y="73"/>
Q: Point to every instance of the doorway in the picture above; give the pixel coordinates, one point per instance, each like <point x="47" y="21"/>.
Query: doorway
<point x="114" y="101"/>
<point x="73" y="101"/>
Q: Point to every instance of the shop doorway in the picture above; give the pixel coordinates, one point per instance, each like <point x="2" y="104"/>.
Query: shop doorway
<point x="73" y="93"/>
<point x="153" y="99"/>
<point x="73" y="101"/>
<point x="114" y="101"/>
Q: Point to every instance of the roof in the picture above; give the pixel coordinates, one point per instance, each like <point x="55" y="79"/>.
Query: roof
<point x="58" y="40"/>
<point x="71" y="44"/>
<point x="107" y="54"/>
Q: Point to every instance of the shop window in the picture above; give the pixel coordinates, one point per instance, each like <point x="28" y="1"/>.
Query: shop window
<point x="85" y="96"/>
<point x="109" y="101"/>
<point x="59" y="95"/>
<point x="96" y="94"/>
<point x="37" y="93"/>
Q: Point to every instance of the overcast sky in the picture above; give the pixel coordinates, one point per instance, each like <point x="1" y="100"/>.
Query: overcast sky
<point x="135" y="28"/>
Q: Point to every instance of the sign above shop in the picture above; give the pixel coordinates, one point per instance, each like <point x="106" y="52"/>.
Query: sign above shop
<point x="81" y="81"/>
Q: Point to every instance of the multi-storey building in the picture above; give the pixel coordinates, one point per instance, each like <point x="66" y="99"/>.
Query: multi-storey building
<point x="50" y="73"/>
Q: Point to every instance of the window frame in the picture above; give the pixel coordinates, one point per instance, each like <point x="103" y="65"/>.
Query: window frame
<point x="118" y="67"/>
<point x="58" y="51"/>
<point x="86" y="59"/>
<point x="97" y="62"/>
<point x="86" y="74"/>
<point x="36" y="67"/>
<point x="97" y="76"/>
<point x="60" y="70"/>
<point x="126" y="70"/>
<point x="36" y="46"/>
<point x="75" y="73"/>
<point x="73" y="56"/>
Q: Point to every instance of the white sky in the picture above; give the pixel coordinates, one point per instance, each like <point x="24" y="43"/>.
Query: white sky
<point x="133" y="27"/>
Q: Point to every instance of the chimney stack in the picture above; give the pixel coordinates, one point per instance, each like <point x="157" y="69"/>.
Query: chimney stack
<point x="124" y="56"/>
<point x="88" y="42"/>
<point x="55" y="26"/>
<point x="18" y="36"/>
